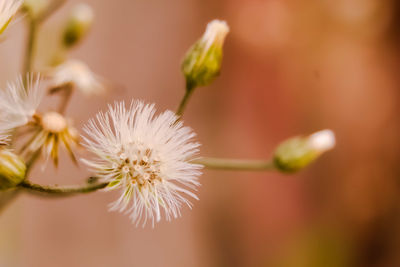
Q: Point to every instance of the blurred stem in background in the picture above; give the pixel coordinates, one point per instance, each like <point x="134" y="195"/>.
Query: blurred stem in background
<point x="34" y="21"/>
<point x="29" y="54"/>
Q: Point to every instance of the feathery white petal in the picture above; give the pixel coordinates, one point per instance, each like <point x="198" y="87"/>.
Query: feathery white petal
<point x="19" y="103"/>
<point x="8" y="8"/>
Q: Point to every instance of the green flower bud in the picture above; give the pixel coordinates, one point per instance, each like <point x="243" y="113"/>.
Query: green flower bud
<point x="202" y="63"/>
<point x="298" y="152"/>
<point x="78" y="25"/>
<point x="12" y="169"/>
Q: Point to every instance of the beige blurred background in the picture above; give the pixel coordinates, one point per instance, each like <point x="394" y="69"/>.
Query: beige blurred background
<point x="291" y="67"/>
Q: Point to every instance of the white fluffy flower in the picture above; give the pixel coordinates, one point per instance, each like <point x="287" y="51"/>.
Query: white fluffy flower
<point x="18" y="103"/>
<point x="147" y="157"/>
<point x="77" y="73"/>
<point x="8" y="8"/>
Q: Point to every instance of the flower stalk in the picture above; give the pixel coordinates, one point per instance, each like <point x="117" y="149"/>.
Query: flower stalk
<point x="236" y="164"/>
<point x="182" y="106"/>
<point x="61" y="190"/>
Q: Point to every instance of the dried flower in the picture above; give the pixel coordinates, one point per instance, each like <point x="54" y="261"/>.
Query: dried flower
<point x="49" y="131"/>
<point x="19" y="103"/>
<point x="77" y="73"/>
<point x="8" y="8"/>
<point x="298" y="152"/>
<point x="147" y="157"/>
<point x="202" y="62"/>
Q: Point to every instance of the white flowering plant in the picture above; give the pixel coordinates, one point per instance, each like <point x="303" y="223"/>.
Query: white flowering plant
<point x="151" y="157"/>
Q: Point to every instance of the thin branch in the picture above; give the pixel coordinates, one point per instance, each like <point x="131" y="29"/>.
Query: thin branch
<point x="236" y="164"/>
<point x="61" y="190"/>
<point x="182" y="105"/>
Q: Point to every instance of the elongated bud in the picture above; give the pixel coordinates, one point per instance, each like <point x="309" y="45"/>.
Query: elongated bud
<point x="78" y="25"/>
<point x="12" y="169"/>
<point x="298" y="152"/>
<point x="202" y="62"/>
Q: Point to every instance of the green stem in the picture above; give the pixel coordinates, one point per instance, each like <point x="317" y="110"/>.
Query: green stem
<point x="236" y="164"/>
<point x="61" y="190"/>
<point x="184" y="101"/>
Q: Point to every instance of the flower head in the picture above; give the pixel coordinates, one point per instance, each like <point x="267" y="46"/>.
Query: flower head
<point x="202" y="62"/>
<point x="147" y="157"/>
<point x="18" y="103"/>
<point x="77" y="73"/>
<point x="49" y="131"/>
<point x="8" y="8"/>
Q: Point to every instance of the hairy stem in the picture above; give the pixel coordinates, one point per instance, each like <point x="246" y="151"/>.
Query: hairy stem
<point x="235" y="164"/>
<point x="61" y="190"/>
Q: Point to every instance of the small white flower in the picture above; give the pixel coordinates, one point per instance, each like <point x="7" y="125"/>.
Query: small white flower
<point x="147" y="157"/>
<point x="215" y="34"/>
<point x="8" y="8"/>
<point x="18" y="103"/>
<point x="77" y="73"/>
<point x="322" y="140"/>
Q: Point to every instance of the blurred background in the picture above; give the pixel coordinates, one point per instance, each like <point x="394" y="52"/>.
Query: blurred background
<point x="290" y="67"/>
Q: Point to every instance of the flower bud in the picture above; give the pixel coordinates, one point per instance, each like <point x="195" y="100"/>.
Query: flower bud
<point x="35" y="7"/>
<point x="298" y="152"/>
<point x="12" y="170"/>
<point x="78" y="25"/>
<point x="202" y="62"/>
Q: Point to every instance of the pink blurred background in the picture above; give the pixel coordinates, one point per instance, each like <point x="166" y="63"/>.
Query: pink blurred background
<point x="290" y="67"/>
